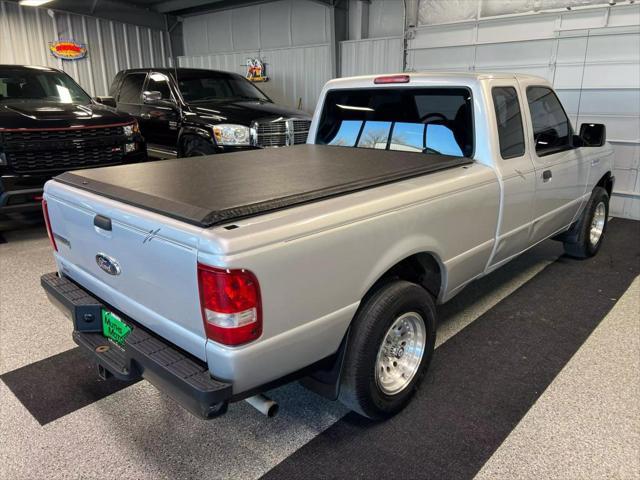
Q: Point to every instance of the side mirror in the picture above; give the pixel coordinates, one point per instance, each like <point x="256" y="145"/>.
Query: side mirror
<point x="108" y="101"/>
<point x="593" y="134"/>
<point x="155" y="98"/>
<point x="152" y="97"/>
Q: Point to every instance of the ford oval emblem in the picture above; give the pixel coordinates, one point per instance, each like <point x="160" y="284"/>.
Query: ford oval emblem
<point x="108" y="264"/>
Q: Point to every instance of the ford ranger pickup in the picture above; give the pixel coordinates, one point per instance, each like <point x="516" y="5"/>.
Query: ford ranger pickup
<point x="219" y="278"/>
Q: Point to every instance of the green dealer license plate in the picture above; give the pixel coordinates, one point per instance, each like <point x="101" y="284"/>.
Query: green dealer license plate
<point x="113" y="327"/>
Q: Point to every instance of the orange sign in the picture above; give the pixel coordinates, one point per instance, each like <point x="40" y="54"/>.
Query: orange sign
<point x="68" y="49"/>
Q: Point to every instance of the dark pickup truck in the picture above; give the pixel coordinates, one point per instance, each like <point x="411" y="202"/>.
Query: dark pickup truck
<point x="49" y="124"/>
<point x="187" y="112"/>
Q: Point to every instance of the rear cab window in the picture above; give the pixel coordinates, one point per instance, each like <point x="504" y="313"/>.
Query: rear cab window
<point x="423" y="120"/>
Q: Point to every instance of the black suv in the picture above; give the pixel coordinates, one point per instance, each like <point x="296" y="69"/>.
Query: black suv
<point x="186" y="112"/>
<point x="49" y="124"/>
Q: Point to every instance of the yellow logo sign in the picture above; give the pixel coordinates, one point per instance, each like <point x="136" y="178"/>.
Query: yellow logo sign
<point x="68" y="49"/>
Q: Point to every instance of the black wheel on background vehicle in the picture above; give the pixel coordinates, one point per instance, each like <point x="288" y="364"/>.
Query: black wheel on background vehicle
<point x="592" y="226"/>
<point x="197" y="147"/>
<point x="390" y="346"/>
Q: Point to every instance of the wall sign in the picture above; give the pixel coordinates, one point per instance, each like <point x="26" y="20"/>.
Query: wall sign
<point x="256" y="71"/>
<point x="68" y="49"/>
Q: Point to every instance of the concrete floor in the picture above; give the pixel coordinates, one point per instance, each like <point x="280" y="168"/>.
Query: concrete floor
<point x="585" y="425"/>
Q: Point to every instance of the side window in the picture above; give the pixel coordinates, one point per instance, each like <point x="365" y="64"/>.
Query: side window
<point x="159" y="83"/>
<point x="551" y="128"/>
<point x="131" y="88"/>
<point x="509" y="120"/>
<point x="113" y="88"/>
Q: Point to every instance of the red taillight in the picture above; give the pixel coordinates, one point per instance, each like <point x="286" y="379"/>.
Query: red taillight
<point x="392" y="79"/>
<point x="231" y="307"/>
<point x="47" y="222"/>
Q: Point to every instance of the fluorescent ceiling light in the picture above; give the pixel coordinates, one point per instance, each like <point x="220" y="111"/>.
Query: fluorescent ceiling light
<point x="360" y="109"/>
<point x="33" y="3"/>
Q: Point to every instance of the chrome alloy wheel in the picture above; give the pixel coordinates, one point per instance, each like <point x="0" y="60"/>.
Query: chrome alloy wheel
<point x="597" y="224"/>
<point x="400" y="353"/>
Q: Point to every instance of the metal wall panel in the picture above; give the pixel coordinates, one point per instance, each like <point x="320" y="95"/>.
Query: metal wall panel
<point x="378" y="55"/>
<point x="112" y="46"/>
<point x="291" y="36"/>
<point x="284" y="23"/>
<point x="296" y="75"/>
<point x="591" y="56"/>
<point x="386" y="18"/>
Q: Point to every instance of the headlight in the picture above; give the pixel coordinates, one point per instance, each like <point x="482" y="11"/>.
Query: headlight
<point x="131" y="129"/>
<point x="227" y="134"/>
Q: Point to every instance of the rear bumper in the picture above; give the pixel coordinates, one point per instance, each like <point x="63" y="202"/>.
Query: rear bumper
<point x="182" y="377"/>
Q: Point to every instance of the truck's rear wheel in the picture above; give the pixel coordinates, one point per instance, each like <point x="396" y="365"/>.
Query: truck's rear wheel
<point x="591" y="228"/>
<point x="390" y="346"/>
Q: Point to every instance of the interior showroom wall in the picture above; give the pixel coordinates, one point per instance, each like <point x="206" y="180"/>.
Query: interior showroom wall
<point x="112" y="45"/>
<point x="590" y="53"/>
<point x="588" y="49"/>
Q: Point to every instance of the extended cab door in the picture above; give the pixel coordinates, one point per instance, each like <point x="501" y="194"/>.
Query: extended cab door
<point x="561" y="169"/>
<point x="159" y="120"/>
<point x="516" y="170"/>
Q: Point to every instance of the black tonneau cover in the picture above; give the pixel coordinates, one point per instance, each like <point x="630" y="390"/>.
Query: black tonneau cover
<point x="213" y="190"/>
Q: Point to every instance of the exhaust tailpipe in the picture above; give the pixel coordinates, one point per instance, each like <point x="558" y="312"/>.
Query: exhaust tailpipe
<point x="264" y="405"/>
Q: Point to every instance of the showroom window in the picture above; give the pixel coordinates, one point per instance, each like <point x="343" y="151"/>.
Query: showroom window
<point x="131" y="88"/>
<point x="422" y="120"/>
<point x="551" y="128"/>
<point x="509" y="120"/>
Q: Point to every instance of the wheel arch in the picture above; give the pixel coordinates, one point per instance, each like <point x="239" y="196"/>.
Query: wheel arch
<point x="190" y="131"/>
<point x="606" y="182"/>
<point x="422" y="268"/>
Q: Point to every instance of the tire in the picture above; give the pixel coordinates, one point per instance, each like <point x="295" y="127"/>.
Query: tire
<point x="591" y="227"/>
<point x="363" y="388"/>
<point x="197" y="147"/>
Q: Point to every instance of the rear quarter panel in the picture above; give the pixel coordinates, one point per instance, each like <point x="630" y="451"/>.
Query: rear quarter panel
<point x="316" y="262"/>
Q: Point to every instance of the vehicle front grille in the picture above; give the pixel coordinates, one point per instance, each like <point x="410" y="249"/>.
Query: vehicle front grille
<point x="67" y="134"/>
<point x="27" y="162"/>
<point x="30" y="151"/>
<point x="283" y="133"/>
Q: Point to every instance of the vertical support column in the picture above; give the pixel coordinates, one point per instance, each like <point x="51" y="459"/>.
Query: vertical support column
<point x="339" y="26"/>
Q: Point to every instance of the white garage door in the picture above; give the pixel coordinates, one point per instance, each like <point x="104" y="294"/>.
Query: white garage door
<point x="592" y="56"/>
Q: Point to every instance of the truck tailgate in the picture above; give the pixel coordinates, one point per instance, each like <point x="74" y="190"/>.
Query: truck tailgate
<point x="212" y="190"/>
<point x="156" y="278"/>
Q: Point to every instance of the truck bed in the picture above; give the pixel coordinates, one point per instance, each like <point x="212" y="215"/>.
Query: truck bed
<point x="214" y="190"/>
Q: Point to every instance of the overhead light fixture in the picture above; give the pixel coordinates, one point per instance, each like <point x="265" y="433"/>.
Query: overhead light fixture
<point x="33" y="3"/>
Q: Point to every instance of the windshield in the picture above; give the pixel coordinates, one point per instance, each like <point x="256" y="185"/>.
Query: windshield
<point x="424" y="120"/>
<point x="40" y="85"/>
<point x="197" y="86"/>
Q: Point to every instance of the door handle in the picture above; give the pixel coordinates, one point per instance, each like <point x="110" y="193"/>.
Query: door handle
<point x="546" y="175"/>
<point x="146" y="116"/>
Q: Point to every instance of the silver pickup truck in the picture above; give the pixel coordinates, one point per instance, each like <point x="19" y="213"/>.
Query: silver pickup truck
<point x="217" y="278"/>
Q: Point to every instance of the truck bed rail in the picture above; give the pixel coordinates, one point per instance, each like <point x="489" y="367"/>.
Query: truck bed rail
<point x="218" y="189"/>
